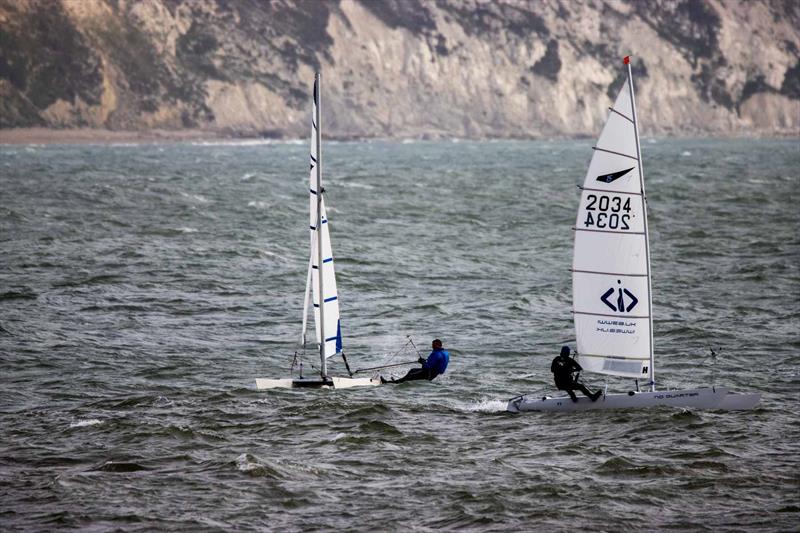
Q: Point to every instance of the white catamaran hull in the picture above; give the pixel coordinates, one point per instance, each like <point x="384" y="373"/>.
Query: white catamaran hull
<point x="713" y="398"/>
<point x="315" y="383"/>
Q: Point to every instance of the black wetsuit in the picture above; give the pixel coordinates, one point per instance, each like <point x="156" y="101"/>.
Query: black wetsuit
<point x="562" y="368"/>
<point x="414" y="374"/>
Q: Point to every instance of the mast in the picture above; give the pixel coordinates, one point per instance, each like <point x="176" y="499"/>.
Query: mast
<point x="323" y="369"/>
<point x="652" y="372"/>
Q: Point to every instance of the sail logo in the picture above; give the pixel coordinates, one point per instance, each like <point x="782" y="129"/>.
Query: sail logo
<point x="624" y="301"/>
<point x="608" y="178"/>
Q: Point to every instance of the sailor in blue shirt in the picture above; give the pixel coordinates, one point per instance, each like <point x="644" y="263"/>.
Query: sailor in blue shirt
<point x="435" y="364"/>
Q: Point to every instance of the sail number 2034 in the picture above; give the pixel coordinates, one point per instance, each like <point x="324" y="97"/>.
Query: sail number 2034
<point x="607" y="212"/>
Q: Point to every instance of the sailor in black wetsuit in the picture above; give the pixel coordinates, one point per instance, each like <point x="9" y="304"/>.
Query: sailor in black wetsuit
<point x="562" y="368"/>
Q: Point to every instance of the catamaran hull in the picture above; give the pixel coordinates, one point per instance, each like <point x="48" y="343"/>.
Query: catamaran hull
<point x="739" y="402"/>
<point x="713" y="398"/>
<point x="315" y="383"/>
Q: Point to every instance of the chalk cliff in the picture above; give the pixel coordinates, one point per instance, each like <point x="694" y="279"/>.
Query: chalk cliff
<point x="400" y="68"/>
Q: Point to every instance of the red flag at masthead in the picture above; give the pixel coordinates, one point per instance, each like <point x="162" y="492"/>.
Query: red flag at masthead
<point x="627" y="60"/>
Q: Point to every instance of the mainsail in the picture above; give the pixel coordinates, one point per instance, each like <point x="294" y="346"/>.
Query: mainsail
<point x="611" y="264"/>
<point x="326" y="308"/>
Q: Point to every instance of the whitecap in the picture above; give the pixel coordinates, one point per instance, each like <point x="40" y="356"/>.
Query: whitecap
<point x="354" y="184"/>
<point x="85" y="423"/>
<point x="187" y="230"/>
<point x="163" y="401"/>
<point x="686" y="153"/>
<point x="248" y="464"/>
<point x="485" y="406"/>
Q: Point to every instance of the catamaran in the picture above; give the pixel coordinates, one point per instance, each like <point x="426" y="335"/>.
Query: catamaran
<point x="320" y="283"/>
<point x="611" y="281"/>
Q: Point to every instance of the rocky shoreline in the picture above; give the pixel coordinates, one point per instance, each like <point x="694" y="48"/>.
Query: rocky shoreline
<point x="26" y="136"/>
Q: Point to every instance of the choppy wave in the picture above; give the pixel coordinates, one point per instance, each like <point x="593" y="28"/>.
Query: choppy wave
<point x="145" y="288"/>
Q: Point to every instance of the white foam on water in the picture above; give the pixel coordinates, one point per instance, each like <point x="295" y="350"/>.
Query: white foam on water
<point x="162" y="401"/>
<point x="354" y="184"/>
<point x="187" y="230"/>
<point x="245" y="463"/>
<point x="85" y="423"/>
<point x="686" y="153"/>
<point x="482" y="406"/>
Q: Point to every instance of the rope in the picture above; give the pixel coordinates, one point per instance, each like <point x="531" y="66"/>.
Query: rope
<point x="398" y="352"/>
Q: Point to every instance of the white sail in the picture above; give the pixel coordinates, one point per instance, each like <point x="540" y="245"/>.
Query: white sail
<point x="330" y="334"/>
<point x="305" y="299"/>
<point x="611" y="266"/>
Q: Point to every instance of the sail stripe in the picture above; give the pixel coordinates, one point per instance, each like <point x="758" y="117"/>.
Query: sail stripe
<point x="329" y="339"/>
<point x="610" y="231"/>
<point x="609" y="316"/>
<point x="332" y="298"/>
<point x="647" y="358"/>
<point x="629" y="119"/>
<point x="606" y="191"/>
<point x="314" y="227"/>
<point x="313" y="191"/>
<point x="606" y="273"/>
<point x="615" y="153"/>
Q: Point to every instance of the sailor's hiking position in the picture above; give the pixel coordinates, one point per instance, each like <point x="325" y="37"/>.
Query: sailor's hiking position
<point x="435" y="364"/>
<point x="563" y="367"/>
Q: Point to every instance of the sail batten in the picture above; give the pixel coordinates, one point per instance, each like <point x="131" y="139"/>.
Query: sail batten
<point x="603" y="190"/>
<point x="611" y="271"/>
<point x="597" y="148"/>
<point x="610" y="231"/>
<point x="605" y="273"/>
<point x="606" y="314"/>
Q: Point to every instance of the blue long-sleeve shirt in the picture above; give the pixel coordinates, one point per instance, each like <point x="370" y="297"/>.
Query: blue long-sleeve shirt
<point x="437" y="362"/>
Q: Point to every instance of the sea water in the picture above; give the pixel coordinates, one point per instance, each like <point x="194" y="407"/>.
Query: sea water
<point x="144" y="287"/>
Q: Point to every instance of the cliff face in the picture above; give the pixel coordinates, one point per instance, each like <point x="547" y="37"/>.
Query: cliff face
<point x="400" y="68"/>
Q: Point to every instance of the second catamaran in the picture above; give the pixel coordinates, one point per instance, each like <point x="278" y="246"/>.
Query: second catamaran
<point x="611" y="288"/>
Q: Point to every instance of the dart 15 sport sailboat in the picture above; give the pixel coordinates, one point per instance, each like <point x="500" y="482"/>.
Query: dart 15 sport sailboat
<point x="611" y="285"/>
<point x="320" y="283"/>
